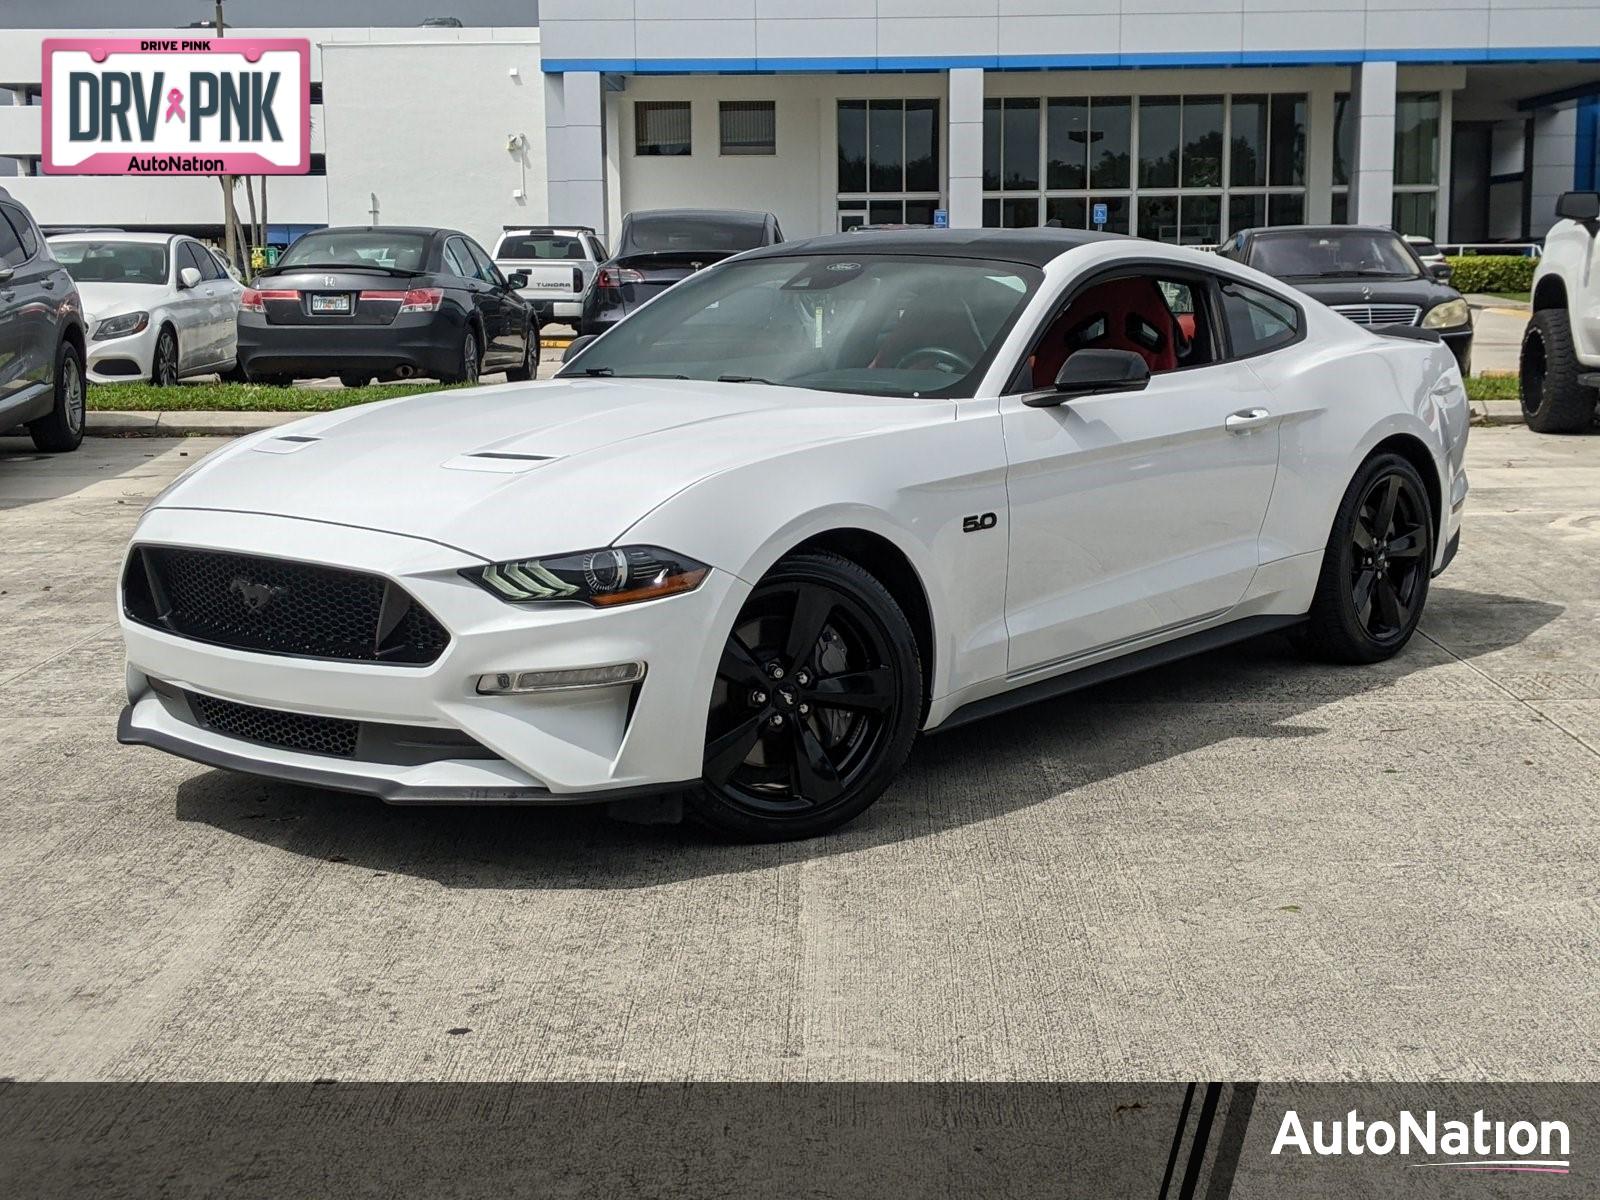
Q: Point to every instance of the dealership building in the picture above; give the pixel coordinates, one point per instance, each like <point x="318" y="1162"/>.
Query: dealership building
<point x="1457" y="119"/>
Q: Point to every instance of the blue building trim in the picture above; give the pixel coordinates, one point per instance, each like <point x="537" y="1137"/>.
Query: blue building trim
<point x="1070" y="62"/>
<point x="1586" y="169"/>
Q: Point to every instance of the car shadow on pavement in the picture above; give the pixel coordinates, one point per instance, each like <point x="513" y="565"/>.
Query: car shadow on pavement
<point x="1260" y="690"/>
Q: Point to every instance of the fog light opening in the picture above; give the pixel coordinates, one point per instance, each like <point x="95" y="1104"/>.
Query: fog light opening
<point x="517" y="683"/>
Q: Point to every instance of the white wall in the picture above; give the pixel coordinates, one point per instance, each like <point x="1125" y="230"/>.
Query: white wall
<point x="426" y="128"/>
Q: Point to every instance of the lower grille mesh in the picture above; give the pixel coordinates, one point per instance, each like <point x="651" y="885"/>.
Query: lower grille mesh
<point x="289" y="731"/>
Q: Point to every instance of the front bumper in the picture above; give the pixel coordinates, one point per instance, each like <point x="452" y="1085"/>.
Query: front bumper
<point x="555" y="747"/>
<point x="124" y="359"/>
<point x="1460" y="343"/>
<point x="413" y="343"/>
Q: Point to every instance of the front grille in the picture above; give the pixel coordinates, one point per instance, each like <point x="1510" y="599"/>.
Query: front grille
<point x="276" y="606"/>
<point x="1379" y="314"/>
<point x="290" y="731"/>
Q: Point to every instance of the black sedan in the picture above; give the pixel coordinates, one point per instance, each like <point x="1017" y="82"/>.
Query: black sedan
<point x="660" y="247"/>
<point x="388" y="302"/>
<point x="1367" y="273"/>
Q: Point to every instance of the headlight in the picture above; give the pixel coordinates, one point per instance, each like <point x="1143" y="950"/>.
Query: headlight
<point x="121" y="325"/>
<point x="602" y="578"/>
<point x="1447" y="315"/>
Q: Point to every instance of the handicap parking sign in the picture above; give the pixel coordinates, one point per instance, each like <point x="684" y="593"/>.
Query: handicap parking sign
<point x="941" y="218"/>
<point x="1100" y="214"/>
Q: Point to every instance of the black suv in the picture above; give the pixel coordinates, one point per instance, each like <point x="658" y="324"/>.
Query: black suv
<point x="42" y="384"/>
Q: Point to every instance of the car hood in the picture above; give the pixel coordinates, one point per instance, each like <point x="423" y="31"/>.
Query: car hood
<point x="526" y="469"/>
<point x="102" y="300"/>
<point x="1370" y="290"/>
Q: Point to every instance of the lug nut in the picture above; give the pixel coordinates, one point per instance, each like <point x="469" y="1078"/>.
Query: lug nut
<point x="775" y="671"/>
<point x="803" y="678"/>
<point x="776" y="720"/>
<point x="804" y="709"/>
<point x="758" y="698"/>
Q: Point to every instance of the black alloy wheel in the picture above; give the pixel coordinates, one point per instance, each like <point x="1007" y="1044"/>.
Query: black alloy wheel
<point x="1376" y="568"/>
<point x="468" y="370"/>
<point x="816" y="702"/>
<point x="164" y="366"/>
<point x="529" y="366"/>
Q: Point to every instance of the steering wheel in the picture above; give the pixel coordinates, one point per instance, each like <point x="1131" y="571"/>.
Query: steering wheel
<point x="936" y="358"/>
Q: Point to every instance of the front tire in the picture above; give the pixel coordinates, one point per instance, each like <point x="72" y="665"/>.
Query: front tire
<point x="62" y="430"/>
<point x="1376" y="567"/>
<point x="816" y="703"/>
<point x="164" y="363"/>
<point x="1553" y="401"/>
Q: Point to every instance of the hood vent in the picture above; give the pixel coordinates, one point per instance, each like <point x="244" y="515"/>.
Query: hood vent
<point x="509" y="456"/>
<point x="286" y="443"/>
<point x="497" y="462"/>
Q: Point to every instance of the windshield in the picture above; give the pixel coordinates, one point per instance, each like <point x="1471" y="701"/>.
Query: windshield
<point x="374" y="247"/>
<point x="524" y="245"/>
<point x="878" y="324"/>
<point x="1334" y="252"/>
<point x="113" y="262"/>
<point x="688" y="234"/>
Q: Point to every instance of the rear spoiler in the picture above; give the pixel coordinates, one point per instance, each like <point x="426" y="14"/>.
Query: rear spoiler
<point x="1412" y="332"/>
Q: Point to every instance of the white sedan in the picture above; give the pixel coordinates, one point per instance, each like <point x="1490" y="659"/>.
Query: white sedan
<point x="807" y="504"/>
<point x="159" y="305"/>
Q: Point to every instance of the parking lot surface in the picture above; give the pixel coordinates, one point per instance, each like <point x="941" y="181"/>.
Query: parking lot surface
<point x="1242" y="866"/>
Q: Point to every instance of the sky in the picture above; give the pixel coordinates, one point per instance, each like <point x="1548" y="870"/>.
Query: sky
<point x="173" y="14"/>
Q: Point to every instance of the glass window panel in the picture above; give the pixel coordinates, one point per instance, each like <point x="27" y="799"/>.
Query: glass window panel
<point x="849" y="218"/>
<point x="1257" y="322"/>
<point x="1286" y="154"/>
<point x="1116" y="212"/>
<point x="1246" y="212"/>
<point x="1416" y="138"/>
<point x="1067" y="144"/>
<point x="1287" y="209"/>
<point x="886" y="146"/>
<point x="1201" y="220"/>
<point x="1341" y="208"/>
<point x="886" y="212"/>
<point x="993" y="120"/>
<point x="922" y="145"/>
<point x="1110" y="132"/>
<point x="1158" y="218"/>
<point x="991" y="214"/>
<point x="660" y="127"/>
<point x="1019" y="212"/>
<point x="1202" y="141"/>
<point x="852" y="145"/>
<point x="920" y="212"/>
<point x="1160" y="122"/>
<point x="1344" y="135"/>
<point x="1414" y="212"/>
<point x="1020" y="145"/>
<point x="1249" y="136"/>
<point x="748" y="126"/>
<point x="1071" y="211"/>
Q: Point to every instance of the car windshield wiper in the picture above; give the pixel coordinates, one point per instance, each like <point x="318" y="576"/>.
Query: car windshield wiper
<point x="744" y="379"/>
<point x="611" y="373"/>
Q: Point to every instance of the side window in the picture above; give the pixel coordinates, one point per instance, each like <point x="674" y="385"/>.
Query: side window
<point x="486" y="270"/>
<point x="11" y="252"/>
<point x="188" y="257"/>
<point x="457" y="260"/>
<point x="219" y="269"/>
<point x="1167" y="322"/>
<point x="1257" y="321"/>
<point x="23" y="228"/>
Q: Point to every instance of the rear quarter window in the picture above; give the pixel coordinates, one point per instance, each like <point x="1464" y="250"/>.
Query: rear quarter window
<point x="1257" y="321"/>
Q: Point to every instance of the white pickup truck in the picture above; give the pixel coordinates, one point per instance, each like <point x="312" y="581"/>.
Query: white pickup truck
<point x="1561" y="348"/>
<point x="560" y="263"/>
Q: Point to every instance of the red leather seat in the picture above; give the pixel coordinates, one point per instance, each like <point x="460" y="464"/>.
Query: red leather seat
<point x="1120" y="314"/>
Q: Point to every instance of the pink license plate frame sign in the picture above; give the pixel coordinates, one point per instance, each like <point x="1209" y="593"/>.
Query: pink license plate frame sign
<point x="176" y="106"/>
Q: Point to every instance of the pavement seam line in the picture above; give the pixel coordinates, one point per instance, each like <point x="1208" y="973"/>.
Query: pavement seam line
<point x="58" y="654"/>
<point x="1495" y="683"/>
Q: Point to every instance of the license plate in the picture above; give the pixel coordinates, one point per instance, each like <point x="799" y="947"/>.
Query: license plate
<point x="339" y="303"/>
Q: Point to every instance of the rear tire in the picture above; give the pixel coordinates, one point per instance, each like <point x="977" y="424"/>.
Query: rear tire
<point x="1553" y="401"/>
<point x="466" y="369"/>
<point x="354" y="381"/>
<point x="816" y="704"/>
<point x="1376" y="567"/>
<point x="62" y="430"/>
<point x="530" y="359"/>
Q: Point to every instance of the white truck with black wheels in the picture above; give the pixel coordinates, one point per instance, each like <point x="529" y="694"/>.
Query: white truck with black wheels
<point x="1561" y="348"/>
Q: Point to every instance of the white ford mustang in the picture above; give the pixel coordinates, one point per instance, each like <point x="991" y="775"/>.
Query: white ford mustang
<point x="807" y="503"/>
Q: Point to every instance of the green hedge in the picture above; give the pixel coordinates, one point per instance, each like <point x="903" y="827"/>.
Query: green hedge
<point x="1492" y="273"/>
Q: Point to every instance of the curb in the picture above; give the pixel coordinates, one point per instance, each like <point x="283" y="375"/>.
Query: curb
<point x="185" y="424"/>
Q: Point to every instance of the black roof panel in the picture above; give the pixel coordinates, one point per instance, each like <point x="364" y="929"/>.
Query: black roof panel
<point x="1035" y="247"/>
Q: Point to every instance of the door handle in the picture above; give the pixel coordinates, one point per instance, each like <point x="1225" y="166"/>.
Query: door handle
<point x="1246" y="419"/>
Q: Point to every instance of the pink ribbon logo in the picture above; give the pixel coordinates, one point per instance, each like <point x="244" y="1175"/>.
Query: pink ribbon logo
<point x="175" y="105"/>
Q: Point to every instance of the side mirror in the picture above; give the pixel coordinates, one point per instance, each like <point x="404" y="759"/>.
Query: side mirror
<point x="517" y="280"/>
<point x="188" y="277"/>
<point x="1441" y="271"/>
<point x="577" y="346"/>
<point x="1579" y="206"/>
<point x="1093" y="373"/>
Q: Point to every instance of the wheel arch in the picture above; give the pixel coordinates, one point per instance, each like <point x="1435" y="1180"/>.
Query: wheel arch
<point x="1551" y="292"/>
<point x="1415" y="451"/>
<point x="891" y="566"/>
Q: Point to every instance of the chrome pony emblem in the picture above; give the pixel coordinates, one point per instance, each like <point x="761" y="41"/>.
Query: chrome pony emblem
<point x="256" y="596"/>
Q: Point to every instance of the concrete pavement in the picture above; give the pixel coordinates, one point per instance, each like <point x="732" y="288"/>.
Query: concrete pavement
<point x="1497" y="334"/>
<point x="1239" y="867"/>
